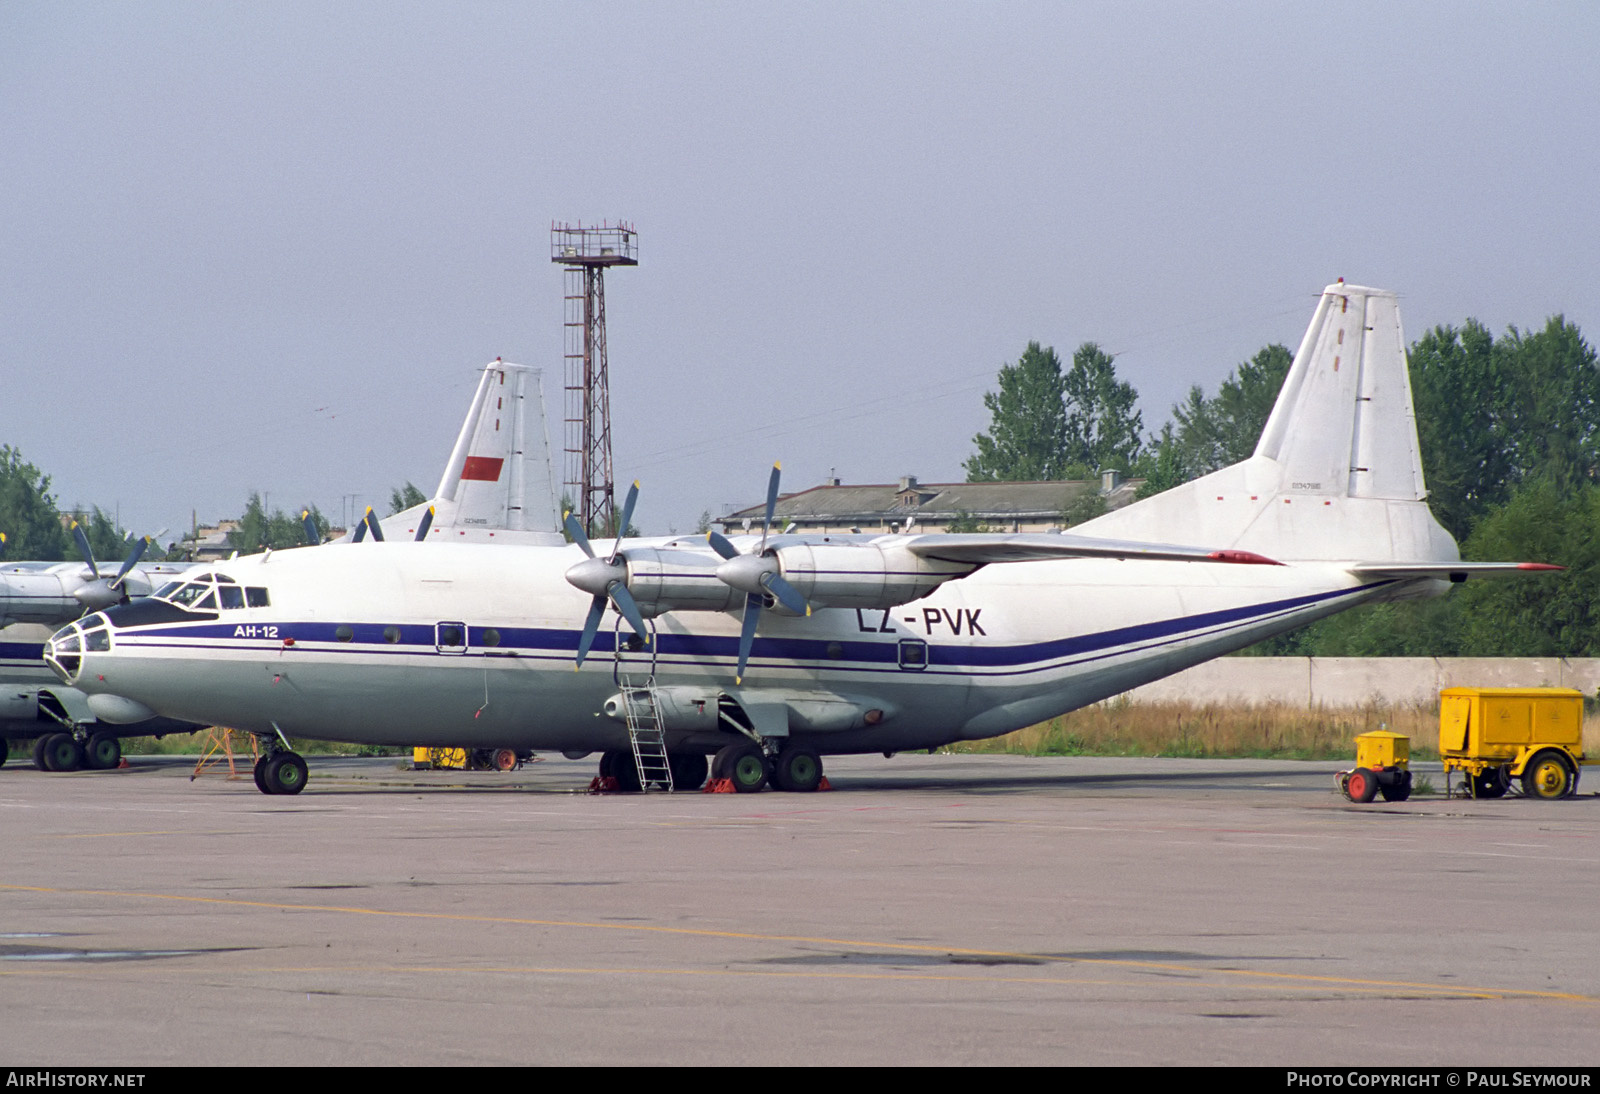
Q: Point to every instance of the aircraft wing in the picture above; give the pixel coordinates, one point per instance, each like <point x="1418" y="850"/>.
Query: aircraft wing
<point x="1449" y="571"/>
<point x="1036" y="547"/>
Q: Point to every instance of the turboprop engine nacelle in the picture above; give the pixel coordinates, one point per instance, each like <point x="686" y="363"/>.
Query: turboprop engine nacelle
<point x="863" y="575"/>
<point x="828" y="575"/>
<point x="661" y="580"/>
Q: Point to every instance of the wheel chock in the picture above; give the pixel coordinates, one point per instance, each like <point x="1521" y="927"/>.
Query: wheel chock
<point x="824" y="784"/>
<point x="719" y="786"/>
<point x="606" y="785"/>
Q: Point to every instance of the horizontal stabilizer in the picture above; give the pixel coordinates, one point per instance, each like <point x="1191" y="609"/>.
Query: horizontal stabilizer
<point x="1035" y="548"/>
<point x="1450" y="571"/>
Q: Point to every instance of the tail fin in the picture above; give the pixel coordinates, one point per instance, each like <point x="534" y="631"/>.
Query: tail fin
<point x="498" y="485"/>
<point x="1337" y="475"/>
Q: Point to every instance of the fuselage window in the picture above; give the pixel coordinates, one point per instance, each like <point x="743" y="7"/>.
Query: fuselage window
<point x="256" y="597"/>
<point x="391" y="635"/>
<point x="166" y="591"/>
<point x="231" y="596"/>
<point x="207" y="603"/>
<point x="97" y="641"/>
<point x="224" y="579"/>
<point x="491" y="637"/>
<point x="345" y="632"/>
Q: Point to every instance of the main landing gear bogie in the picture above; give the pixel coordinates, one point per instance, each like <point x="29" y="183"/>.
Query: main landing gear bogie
<point x="743" y="765"/>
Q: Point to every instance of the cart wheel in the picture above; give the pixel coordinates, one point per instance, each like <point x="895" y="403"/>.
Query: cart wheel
<point x="1491" y="783"/>
<point x="1399" y="790"/>
<point x="1363" y="786"/>
<point x="1548" y="776"/>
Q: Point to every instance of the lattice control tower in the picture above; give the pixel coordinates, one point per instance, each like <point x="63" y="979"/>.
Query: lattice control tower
<point x="586" y="253"/>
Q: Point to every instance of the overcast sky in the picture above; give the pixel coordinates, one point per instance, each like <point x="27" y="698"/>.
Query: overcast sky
<point x="268" y="246"/>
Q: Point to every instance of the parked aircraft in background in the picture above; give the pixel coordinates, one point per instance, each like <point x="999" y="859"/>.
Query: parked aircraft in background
<point x="772" y="651"/>
<point x="497" y="487"/>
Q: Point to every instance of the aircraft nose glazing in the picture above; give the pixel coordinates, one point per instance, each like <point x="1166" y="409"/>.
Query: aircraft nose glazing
<point x="64" y="652"/>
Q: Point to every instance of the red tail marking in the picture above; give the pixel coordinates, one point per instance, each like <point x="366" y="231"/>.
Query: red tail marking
<point x="482" y="468"/>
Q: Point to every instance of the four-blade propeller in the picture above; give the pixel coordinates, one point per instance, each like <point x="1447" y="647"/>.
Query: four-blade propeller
<point x="758" y="575"/>
<point x="605" y="579"/>
<point x="97" y="594"/>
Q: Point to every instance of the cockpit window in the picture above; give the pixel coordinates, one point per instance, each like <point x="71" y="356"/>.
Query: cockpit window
<point x="189" y="593"/>
<point x="199" y="594"/>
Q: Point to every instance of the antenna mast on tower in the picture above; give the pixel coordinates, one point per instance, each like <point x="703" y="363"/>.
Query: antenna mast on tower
<point x="586" y="252"/>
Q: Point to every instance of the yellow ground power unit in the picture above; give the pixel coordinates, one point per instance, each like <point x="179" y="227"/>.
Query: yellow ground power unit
<point x="1495" y="735"/>
<point x="1383" y="766"/>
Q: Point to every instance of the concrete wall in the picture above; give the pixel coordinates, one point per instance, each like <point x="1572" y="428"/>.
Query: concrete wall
<point x="1358" y="681"/>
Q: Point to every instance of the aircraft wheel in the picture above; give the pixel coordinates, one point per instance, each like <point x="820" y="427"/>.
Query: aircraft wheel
<point x="689" y="770"/>
<point x="503" y="759"/>
<point x="62" y="753"/>
<point x="744" y="765"/>
<point x="1363" y="785"/>
<point x="38" y="752"/>
<point x="1547" y="776"/>
<point x="1492" y="783"/>
<point x="261" y="775"/>
<point x="5" y="750"/>
<point x="799" y="770"/>
<point x="285" y="774"/>
<point x="1397" y="791"/>
<point x="625" y="769"/>
<point x="103" y="752"/>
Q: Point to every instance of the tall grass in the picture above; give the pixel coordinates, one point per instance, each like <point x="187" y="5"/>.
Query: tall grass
<point x="1119" y="727"/>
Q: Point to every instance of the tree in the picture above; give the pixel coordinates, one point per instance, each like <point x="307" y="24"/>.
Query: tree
<point x="1555" y="615"/>
<point x="1458" y="393"/>
<point x="1223" y="430"/>
<point x="28" y="511"/>
<point x="964" y="523"/>
<point x="257" y="530"/>
<point x="1027" y="431"/>
<point x="401" y="498"/>
<point x="1102" y="427"/>
<point x="107" y="542"/>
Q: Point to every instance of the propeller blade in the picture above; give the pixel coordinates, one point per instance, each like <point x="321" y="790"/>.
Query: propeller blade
<point x="372" y="523"/>
<point x="361" y="531"/>
<point x="133" y="560"/>
<point x="719" y="543"/>
<point x="427" y="522"/>
<point x="2" y="543"/>
<point x="772" y="502"/>
<point x="785" y="594"/>
<point x="627" y="519"/>
<point x="747" y="633"/>
<point x="575" y="530"/>
<point x="623" y="599"/>
<point x="83" y="549"/>
<point x="309" y="526"/>
<point x="591" y="625"/>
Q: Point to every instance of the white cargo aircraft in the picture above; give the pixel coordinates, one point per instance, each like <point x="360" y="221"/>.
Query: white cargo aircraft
<point x="497" y="487"/>
<point x="772" y="651"/>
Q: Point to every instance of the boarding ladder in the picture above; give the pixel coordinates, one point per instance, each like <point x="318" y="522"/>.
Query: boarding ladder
<point x="640" y="706"/>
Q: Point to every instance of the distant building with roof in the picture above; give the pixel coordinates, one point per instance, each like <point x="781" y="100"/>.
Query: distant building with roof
<point x="915" y="506"/>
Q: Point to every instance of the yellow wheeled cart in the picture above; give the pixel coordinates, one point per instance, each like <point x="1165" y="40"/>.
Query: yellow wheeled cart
<point x="464" y="759"/>
<point x="1495" y="735"/>
<point x="1383" y="766"/>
